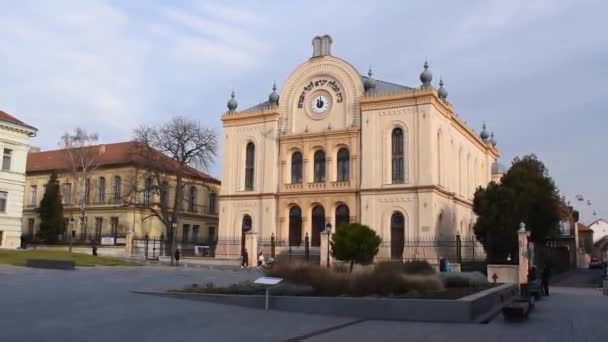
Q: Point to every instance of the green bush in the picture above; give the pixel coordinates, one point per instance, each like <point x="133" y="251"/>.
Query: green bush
<point x="463" y="279"/>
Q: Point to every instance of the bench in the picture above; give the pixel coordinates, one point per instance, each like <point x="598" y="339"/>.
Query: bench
<point x="519" y="308"/>
<point x="51" y="264"/>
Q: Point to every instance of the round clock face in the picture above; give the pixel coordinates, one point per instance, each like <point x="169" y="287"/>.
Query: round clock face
<point x="320" y="104"/>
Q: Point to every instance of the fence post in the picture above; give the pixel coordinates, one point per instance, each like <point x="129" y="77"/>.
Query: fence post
<point x="458" y="249"/>
<point x="272" y="245"/>
<point x="146" y="249"/>
<point x="161" y="246"/>
<point x="306" y="247"/>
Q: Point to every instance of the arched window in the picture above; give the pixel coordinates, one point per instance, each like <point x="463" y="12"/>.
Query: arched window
<point x="319" y="166"/>
<point x="116" y="189"/>
<point x="398" y="168"/>
<point x="295" y="226"/>
<point x="148" y="191"/>
<point x="212" y="202"/>
<point x="343" y="165"/>
<point x="192" y="199"/>
<point x="397" y="235"/>
<point x="318" y="225"/>
<point x="101" y="190"/>
<point x="439" y="179"/>
<point x="249" y="163"/>
<point x="296" y="168"/>
<point x="342" y="215"/>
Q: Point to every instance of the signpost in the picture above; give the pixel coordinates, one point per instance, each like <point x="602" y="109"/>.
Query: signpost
<point x="268" y="282"/>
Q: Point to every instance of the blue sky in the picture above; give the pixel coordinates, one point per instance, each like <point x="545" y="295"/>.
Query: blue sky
<point x="534" y="70"/>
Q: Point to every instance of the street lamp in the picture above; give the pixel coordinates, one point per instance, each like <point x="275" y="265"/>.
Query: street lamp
<point x="172" y="251"/>
<point x="328" y="230"/>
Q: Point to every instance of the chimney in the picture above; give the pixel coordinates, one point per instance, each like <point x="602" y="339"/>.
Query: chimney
<point x="34" y="149"/>
<point x="321" y="46"/>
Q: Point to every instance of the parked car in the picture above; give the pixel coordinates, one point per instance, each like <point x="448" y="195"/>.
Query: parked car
<point x="595" y="263"/>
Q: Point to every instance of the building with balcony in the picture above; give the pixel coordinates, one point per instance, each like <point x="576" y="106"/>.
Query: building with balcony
<point x="119" y="196"/>
<point x="334" y="146"/>
<point x="14" y="144"/>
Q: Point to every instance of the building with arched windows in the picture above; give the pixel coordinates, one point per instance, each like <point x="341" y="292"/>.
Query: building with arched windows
<point x="335" y="146"/>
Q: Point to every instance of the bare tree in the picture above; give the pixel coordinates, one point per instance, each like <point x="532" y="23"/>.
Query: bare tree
<point x="82" y="158"/>
<point x="183" y="144"/>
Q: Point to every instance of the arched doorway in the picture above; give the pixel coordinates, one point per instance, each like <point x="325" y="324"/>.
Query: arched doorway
<point x="397" y="235"/>
<point x="295" y="226"/>
<point x="342" y="215"/>
<point x="318" y="225"/>
<point x="246" y="225"/>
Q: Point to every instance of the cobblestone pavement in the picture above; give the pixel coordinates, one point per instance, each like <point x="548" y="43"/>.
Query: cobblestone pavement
<point x="94" y="304"/>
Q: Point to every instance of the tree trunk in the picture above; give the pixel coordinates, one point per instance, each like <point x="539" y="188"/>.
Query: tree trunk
<point x="352" y="264"/>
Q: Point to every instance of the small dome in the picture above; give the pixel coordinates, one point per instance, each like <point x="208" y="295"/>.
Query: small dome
<point x="369" y="83"/>
<point x="232" y="104"/>
<point x="492" y="140"/>
<point x="426" y="76"/>
<point x="498" y="169"/>
<point x="273" y="98"/>
<point x="484" y="134"/>
<point x="442" y="92"/>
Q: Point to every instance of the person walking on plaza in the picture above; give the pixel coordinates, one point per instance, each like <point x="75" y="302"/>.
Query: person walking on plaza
<point x="546" y="278"/>
<point x="177" y="255"/>
<point x="245" y="259"/>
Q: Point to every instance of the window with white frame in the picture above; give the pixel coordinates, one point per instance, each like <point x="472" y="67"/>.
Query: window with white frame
<point x="33" y="195"/>
<point x="6" y="159"/>
<point x="3" y="200"/>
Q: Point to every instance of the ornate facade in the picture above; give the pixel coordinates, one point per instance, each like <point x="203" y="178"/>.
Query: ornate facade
<point x="335" y="146"/>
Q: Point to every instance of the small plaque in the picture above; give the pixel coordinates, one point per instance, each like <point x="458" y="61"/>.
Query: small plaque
<point x="268" y="281"/>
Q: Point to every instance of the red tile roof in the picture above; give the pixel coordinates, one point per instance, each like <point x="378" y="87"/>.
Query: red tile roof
<point x="117" y="154"/>
<point x="582" y="228"/>
<point x="4" y="116"/>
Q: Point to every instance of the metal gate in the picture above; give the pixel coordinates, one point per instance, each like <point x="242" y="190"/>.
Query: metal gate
<point x="149" y="248"/>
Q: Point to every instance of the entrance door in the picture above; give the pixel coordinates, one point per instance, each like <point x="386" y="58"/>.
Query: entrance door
<point x="295" y="226"/>
<point x="245" y="227"/>
<point x="397" y="235"/>
<point x="318" y="225"/>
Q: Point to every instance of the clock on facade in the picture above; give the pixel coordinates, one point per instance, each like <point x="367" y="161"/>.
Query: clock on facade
<point x="320" y="104"/>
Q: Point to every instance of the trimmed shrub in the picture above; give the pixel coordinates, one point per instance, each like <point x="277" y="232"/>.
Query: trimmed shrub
<point x="463" y="279"/>
<point x="408" y="267"/>
<point x="355" y="243"/>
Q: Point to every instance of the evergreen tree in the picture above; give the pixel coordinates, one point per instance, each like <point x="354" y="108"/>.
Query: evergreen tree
<point x="526" y="194"/>
<point x="354" y="243"/>
<point x="51" y="211"/>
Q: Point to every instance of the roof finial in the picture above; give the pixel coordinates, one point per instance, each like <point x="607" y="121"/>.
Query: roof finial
<point x="369" y="83"/>
<point x="442" y="92"/>
<point x="232" y="104"/>
<point x="273" y="98"/>
<point x="426" y="76"/>
<point x="484" y="133"/>
<point x="492" y="140"/>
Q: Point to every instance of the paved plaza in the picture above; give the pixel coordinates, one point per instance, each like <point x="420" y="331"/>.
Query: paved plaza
<point x="95" y="304"/>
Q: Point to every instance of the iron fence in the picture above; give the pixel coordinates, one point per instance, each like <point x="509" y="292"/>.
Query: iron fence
<point x="284" y="251"/>
<point x="432" y="248"/>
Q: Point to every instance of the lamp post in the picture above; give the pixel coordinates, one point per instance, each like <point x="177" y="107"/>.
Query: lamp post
<point x="173" y="229"/>
<point x="328" y="230"/>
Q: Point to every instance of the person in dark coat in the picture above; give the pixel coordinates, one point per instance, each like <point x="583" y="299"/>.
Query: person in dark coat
<point x="546" y="278"/>
<point x="245" y="261"/>
<point x="177" y="255"/>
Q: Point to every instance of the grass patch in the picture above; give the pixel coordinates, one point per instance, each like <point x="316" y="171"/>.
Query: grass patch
<point x="19" y="257"/>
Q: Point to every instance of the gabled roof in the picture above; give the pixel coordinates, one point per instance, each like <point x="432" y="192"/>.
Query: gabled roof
<point x="598" y="221"/>
<point x="117" y="154"/>
<point x="4" y="116"/>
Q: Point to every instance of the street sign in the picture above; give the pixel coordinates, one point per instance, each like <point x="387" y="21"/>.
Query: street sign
<point x="269" y="281"/>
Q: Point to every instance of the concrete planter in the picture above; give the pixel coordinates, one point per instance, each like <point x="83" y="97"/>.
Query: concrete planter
<point x="504" y="274"/>
<point x="473" y="308"/>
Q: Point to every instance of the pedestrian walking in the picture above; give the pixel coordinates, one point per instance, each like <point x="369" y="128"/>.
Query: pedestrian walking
<point x="546" y="278"/>
<point x="177" y="256"/>
<point x="245" y="259"/>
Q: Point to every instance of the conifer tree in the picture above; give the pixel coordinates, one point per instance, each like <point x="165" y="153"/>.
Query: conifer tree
<point x="51" y="212"/>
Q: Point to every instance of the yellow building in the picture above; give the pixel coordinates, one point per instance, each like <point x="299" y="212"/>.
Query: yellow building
<point x="117" y="199"/>
<point x="335" y="146"/>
